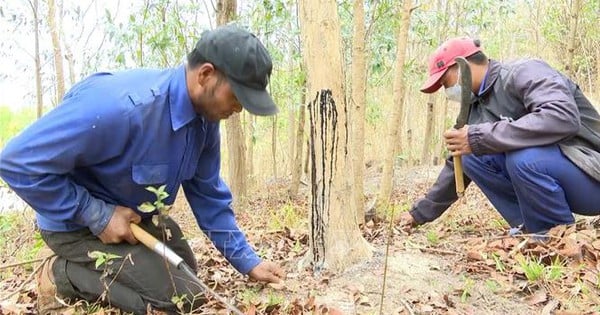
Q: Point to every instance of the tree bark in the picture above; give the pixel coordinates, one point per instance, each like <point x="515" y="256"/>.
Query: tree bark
<point x="274" y="145"/>
<point x="226" y="12"/>
<point x="335" y="239"/>
<point x="358" y="102"/>
<point x="426" y="153"/>
<point x="57" y="52"/>
<point x="36" y="56"/>
<point x="250" y="129"/>
<point x="573" y="19"/>
<point x="395" y="124"/>
<point x="297" y="164"/>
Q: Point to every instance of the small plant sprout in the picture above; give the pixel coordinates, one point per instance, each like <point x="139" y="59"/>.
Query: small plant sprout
<point x="102" y="258"/>
<point x="432" y="237"/>
<point x="498" y="261"/>
<point x="179" y="300"/>
<point x="467" y="288"/>
<point x="534" y="270"/>
<point x="157" y="205"/>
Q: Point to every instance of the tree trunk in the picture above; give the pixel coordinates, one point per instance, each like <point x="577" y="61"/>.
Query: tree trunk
<point x="68" y="52"/>
<point x="598" y="71"/>
<point x="442" y="145"/>
<point x="358" y="102"/>
<point x="335" y="239"/>
<point x="274" y="145"/>
<point x="250" y="130"/>
<point x="394" y="125"/>
<point x="426" y="154"/>
<point x="36" y="56"/>
<point x="291" y="138"/>
<point x="573" y="18"/>
<point x="297" y="164"/>
<point x="226" y="11"/>
<point x="440" y="111"/>
<point x="57" y="50"/>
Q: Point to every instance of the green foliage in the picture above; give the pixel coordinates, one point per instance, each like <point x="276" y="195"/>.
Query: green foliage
<point x="102" y="258"/>
<point x="158" y="34"/>
<point x="498" y="261"/>
<point x="467" y="288"/>
<point x="287" y="216"/>
<point x="492" y="285"/>
<point x="432" y="237"/>
<point x="158" y="204"/>
<point x="13" y="122"/>
<point x="7" y="223"/>
<point x="179" y="300"/>
<point x="533" y="269"/>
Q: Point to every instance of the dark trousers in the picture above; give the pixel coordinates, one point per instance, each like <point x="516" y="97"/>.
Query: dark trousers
<point x="538" y="187"/>
<point x="137" y="279"/>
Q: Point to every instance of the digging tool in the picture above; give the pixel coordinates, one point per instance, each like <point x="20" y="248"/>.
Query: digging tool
<point x="164" y="251"/>
<point x="461" y="120"/>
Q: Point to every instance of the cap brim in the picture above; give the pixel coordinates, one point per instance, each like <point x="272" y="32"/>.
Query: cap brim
<point x="257" y="102"/>
<point x="433" y="82"/>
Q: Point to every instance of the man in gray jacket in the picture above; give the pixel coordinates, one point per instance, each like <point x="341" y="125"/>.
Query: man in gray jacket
<point x="531" y="143"/>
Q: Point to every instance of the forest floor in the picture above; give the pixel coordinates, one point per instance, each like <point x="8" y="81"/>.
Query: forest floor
<point x="463" y="263"/>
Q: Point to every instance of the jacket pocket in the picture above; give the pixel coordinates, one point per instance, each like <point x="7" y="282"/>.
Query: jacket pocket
<point x="150" y="174"/>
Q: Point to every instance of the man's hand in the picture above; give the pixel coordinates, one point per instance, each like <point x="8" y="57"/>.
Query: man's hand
<point x="406" y="221"/>
<point x="267" y="271"/>
<point x="457" y="141"/>
<point x="117" y="229"/>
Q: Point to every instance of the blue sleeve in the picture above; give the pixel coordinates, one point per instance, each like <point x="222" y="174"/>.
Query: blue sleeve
<point x="210" y="200"/>
<point x="82" y="131"/>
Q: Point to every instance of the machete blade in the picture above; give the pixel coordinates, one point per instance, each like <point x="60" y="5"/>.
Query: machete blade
<point x="465" y="86"/>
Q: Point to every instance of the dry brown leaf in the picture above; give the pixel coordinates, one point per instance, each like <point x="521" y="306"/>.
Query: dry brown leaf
<point x="538" y="297"/>
<point x="277" y="286"/>
<point x="474" y="255"/>
<point x="550" y="307"/>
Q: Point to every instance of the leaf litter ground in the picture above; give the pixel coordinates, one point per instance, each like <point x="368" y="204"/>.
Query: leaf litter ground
<point x="463" y="263"/>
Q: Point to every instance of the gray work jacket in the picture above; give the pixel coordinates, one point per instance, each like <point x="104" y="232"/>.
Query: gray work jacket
<point x="524" y="103"/>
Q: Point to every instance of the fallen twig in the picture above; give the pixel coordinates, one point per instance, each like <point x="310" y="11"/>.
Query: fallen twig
<point x="24" y="263"/>
<point x="437" y="251"/>
<point x="407" y="307"/>
<point x="20" y="288"/>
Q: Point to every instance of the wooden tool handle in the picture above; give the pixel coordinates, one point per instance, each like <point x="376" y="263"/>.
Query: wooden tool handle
<point x="143" y="236"/>
<point x="458" y="176"/>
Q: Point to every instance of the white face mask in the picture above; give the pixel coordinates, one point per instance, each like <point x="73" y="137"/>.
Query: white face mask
<point x="454" y="92"/>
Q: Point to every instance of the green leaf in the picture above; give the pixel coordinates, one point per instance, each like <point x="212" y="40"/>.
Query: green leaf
<point x="146" y="207"/>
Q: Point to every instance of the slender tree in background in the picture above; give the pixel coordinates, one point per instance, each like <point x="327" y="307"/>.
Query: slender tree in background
<point x="359" y="103"/>
<point x="298" y="152"/>
<point x="395" y="124"/>
<point x="36" y="56"/>
<point x="57" y="50"/>
<point x="65" y="43"/>
<point x="572" y="40"/>
<point x="236" y="147"/>
<point x="428" y="138"/>
<point x="250" y="123"/>
<point x="274" y="145"/>
<point x="335" y="239"/>
<point x="436" y="110"/>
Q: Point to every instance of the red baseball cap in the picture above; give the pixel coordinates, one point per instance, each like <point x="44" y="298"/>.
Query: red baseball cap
<point x="443" y="58"/>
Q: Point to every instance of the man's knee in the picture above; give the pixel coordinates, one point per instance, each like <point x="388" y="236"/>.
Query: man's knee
<point x="524" y="162"/>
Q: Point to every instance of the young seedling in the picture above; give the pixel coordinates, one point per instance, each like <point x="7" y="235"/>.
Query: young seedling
<point x="102" y="258"/>
<point x="157" y="205"/>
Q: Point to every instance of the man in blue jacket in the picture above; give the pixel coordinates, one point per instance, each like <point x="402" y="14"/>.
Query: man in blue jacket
<point x="531" y="144"/>
<point x="85" y="166"/>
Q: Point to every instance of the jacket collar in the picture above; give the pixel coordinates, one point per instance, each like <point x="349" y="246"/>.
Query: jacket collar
<point x="493" y="73"/>
<point x="182" y="110"/>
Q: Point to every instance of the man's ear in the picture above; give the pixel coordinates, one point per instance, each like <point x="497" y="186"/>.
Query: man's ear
<point x="205" y="71"/>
